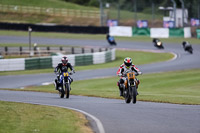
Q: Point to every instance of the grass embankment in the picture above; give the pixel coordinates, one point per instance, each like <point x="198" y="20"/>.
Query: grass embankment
<point x="139" y="58"/>
<point x="45" y="18"/>
<point x="126" y="16"/>
<point x="27" y="118"/>
<point x="182" y="87"/>
<point x="47" y="3"/>
<point x="28" y="17"/>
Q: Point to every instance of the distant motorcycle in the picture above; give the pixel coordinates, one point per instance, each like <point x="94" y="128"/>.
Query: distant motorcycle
<point x="111" y="40"/>
<point x="157" y="43"/>
<point x="130" y="87"/>
<point x="187" y="47"/>
<point x="64" y="84"/>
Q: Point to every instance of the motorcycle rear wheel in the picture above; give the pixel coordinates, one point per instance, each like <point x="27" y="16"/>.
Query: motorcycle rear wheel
<point x="190" y="51"/>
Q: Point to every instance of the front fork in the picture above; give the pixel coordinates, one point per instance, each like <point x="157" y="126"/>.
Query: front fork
<point x="129" y="86"/>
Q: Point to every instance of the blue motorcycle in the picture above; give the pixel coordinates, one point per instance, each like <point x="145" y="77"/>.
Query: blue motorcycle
<point x="64" y="87"/>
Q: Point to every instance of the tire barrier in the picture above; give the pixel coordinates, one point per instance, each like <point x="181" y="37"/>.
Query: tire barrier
<point x="55" y="28"/>
<point x="52" y="61"/>
<point x="152" y="32"/>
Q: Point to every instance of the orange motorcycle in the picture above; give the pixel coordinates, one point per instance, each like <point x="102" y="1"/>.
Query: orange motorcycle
<point x="130" y="87"/>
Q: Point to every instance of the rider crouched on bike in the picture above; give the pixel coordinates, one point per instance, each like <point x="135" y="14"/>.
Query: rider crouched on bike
<point x="62" y="67"/>
<point x="127" y="65"/>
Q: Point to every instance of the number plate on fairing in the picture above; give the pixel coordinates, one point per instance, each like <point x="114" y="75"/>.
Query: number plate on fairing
<point x="131" y="75"/>
<point x="65" y="74"/>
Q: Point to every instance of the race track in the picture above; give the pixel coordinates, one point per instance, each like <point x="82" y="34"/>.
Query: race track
<point x="115" y="115"/>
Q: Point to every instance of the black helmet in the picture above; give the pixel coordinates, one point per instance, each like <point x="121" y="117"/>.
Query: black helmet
<point x="128" y="62"/>
<point x="64" y="60"/>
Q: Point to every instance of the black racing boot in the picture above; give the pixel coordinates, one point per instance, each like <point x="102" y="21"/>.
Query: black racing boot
<point x="121" y="91"/>
<point x="71" y="80"/>
<point x="137" y="84"/>
<point x="56" y="84"/>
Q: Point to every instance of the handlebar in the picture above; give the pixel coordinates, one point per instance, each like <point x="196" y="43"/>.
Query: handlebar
<point x="125" y="73"/>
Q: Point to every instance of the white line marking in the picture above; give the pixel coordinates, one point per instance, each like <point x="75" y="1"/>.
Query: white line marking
<point x="47" y="83"/>
<point x="174" y="58"/>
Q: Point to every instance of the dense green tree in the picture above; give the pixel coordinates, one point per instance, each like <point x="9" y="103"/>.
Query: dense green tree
<point x="144" y="5"/>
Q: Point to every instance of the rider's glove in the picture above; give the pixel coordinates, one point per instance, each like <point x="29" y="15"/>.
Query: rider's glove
<point x="124" y="75"/>
<point x="120" y="74"/>
<point x="139" y="73"/>
<point x="73" y="71"/>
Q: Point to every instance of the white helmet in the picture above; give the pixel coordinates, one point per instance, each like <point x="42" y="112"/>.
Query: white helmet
<point x="64" y="60"/>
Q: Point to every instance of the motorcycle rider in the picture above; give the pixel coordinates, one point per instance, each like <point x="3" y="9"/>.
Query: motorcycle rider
<point x="186" y="45"/>
<point x="62" y="67"/>
<point x="127" y="65"/>
<point x="111" y="40"/>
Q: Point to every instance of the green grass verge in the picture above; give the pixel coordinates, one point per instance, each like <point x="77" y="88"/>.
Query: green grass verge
<point x="53" y="35"/>
<point x="181" y="87"/>
<point x="28" y="118"/>
<point x="47" y="4"/>
<point x="139" y="58"/>
<point x="95" y="37"/>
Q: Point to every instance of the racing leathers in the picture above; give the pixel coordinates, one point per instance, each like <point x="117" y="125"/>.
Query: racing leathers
<point x="61" y="67"/>
<point x="122" y="79"/>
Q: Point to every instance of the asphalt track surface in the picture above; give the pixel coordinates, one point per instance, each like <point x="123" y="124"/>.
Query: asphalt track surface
<point x="111" y="115"/>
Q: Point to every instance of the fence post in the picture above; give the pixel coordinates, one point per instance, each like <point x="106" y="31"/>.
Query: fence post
<point x="6" y="50"/>
<point x="83" y="50"/>
<point x="20" y="50"/>
<point x="61" y="49"/>
<point x="72" y="50"/>
<point x="100" y="50"/>
<point x="48" y="49"/>
<point x="92" y="50"/>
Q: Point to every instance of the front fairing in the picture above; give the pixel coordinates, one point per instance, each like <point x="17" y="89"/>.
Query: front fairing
<point x="64" y="77"/>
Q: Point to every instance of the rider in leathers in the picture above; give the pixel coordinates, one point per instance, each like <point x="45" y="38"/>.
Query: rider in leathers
<point x="62" y="67"/>
<point x="127" y="65"/>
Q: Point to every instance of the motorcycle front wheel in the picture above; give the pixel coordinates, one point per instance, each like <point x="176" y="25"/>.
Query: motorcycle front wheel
<point x="61" y="93"/>
<point x="127" y="96"/>
<point x="67" y="90"/>
<point x="134" y="94"/>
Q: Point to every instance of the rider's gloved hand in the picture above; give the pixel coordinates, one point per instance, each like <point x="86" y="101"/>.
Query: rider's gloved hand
<point x="120" y="74"/>
<point x="139" y="73"/>
<point x="73" y="71"/>
<point x="124" y="75"/>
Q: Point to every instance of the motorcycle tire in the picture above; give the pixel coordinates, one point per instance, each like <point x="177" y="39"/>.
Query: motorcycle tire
<point x="190" y="51"/>
<point x="62" y="93"/>
<point x="134" y="94"/>
<point x="67" y="90"/>
<point x="127" y="96"/>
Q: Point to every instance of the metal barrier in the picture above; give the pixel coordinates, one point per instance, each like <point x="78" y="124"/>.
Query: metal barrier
<point x="46" y="51"/>
<point x="51" y="11"/>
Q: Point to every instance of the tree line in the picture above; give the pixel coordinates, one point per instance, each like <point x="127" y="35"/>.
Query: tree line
<point x="192" y="5"/>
